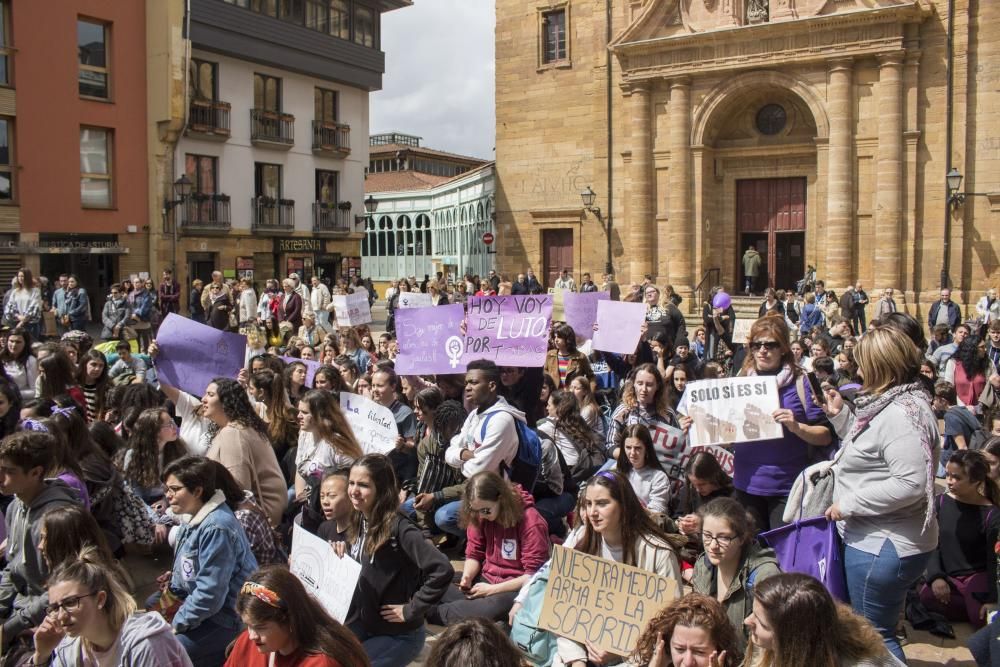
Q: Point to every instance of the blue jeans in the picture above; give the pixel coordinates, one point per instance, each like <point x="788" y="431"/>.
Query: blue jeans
<point x="554" y="509"/>
<point x="392" y="650"/>
<point x="878" y="584"/>
<point x="446" y="518"/>
<point x="206" y="644"/>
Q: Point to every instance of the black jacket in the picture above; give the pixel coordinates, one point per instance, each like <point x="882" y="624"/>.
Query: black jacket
<point x="406" y="570"/>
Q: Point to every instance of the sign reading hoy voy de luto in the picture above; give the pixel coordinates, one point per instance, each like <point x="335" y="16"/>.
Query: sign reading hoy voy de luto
<point x="509" y="330"/>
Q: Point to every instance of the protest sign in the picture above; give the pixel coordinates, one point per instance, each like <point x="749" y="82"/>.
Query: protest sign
<point x="328" y="578"/>
<point x="424" y="336"/>
<point x="598" y="600"/>
<point x="414" y="300"/>
<point x="510" y="330"/>
<point x="722" y="455"/>
<point x="192" y="354"/>
<point x="581" y="311"/>
<point x="732" y="409"/>
<point x="311" y="367"/>
<point x="373" y="424"/>
<point x="618" y="326"/>
<point x="741" y="331"/>
<point x="558" y="304"/>
<point x="351" y="309"/>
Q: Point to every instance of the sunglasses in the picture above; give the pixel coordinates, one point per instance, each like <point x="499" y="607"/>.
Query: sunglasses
<point x="769" y="345"/>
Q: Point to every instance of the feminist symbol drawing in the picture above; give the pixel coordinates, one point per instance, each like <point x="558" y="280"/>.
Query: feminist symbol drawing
<point x="453" y="346"/>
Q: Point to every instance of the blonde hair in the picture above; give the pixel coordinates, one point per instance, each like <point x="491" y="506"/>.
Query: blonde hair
<point x="886" y="359"/>
<point x="92" y="571"/>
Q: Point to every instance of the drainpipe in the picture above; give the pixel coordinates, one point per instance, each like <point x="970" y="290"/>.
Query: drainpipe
<point x="949" y="116"/>
<point x="609" y="266"/>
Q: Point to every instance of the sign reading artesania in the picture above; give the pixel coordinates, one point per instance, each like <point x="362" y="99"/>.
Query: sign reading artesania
<point x="298" y="245"/>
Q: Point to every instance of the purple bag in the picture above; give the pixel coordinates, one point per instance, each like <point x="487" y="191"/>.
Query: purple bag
<point x="811" y="546"/>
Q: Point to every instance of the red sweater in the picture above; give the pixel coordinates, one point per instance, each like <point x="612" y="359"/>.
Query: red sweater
<point x="507" y="553"/>
<point x="245" y="654"/>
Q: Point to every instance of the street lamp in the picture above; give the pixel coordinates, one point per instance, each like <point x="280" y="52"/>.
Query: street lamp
<point x="182" y="190"/>
<point x="371" y="205"/>
<point x="954" y="178"/>
<point x="589" y="197"/>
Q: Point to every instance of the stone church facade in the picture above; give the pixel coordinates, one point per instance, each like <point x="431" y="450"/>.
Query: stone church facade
<point x="814" y="130"/>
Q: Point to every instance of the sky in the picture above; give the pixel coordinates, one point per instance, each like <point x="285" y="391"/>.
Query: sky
<point x="439" y="76"/>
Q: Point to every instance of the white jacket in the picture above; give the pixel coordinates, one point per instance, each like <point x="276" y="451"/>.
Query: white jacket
<point x="497" y="446"/>
<point x="320" y="298"/>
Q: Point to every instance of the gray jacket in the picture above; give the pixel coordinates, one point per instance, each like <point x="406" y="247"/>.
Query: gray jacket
<point x="23" y="596"/>
<point x="145" y="639"/>
<point x="115" y="313"/>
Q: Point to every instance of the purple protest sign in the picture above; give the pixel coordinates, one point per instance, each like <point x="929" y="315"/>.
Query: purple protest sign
<point x="510" y="330"/>
<point x="311" y="367"/>
<point x="581" y="311"/>
<point x="619" y="324"/>
<point x="430" y="340"/>
<point x="191" y="354"/>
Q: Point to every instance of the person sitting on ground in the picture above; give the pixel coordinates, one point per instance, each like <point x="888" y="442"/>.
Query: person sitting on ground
<point x="507" y="543"/>
<point x="733" y="562"/>
<point x="127" y="364"/>
<point x="474" y="642"/>
<point x="438" y="484"/>
<point x="690" y="632"/>
<point x="637" y="461"/>
<point x="705" y="481"/>
<point x="335" y="506"/>
<point x="325" y="441"/>
<point x="287" y="627"/>
<point x="24" y="458"/>
<point x="796" y="622"/>
<point x="92" y="620"/>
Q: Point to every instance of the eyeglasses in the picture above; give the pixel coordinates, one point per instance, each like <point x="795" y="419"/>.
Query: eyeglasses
<point x="70" y="604"/>
<point x="722" y="540"/>
<point x="174" y="490"/>
<point x="769" y="345"/>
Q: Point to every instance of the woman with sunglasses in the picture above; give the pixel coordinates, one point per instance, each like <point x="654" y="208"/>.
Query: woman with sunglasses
<point x="92" y="620"/>
<point x="765" y="470"/>
<point x="287" y="627"/>
<point x="508" y="541"/>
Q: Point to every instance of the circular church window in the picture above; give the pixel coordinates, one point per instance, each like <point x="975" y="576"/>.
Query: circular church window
<point x="771" y="119"/>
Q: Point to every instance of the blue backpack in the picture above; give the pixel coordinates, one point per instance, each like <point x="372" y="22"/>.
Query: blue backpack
<point x="527" y="462"/>
<point x="539" y="646"/>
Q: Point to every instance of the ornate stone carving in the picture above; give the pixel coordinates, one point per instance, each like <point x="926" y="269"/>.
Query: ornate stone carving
<point x="757" y="11"/>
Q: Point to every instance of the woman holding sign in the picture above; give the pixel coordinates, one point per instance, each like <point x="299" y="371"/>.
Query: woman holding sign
<point x="765" y="470"/>
<point x="616" y="527"/>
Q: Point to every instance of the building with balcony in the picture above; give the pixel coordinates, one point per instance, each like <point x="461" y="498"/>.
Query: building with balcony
<point x="273" y="138"/>
<point x="72" y="151"/>
<point x="431" y="209"/>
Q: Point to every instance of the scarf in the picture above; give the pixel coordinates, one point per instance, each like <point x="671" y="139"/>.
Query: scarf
<point x="911" y="397"/>
<point x="786" y="376"/>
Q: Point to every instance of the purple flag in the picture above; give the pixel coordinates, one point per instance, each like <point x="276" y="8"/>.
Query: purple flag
<point x="430" y="340"/>
<point x="192" y="354"/>
<point x="581" y="311"/>
<point x="311" y="367"/>
<point x="510" y="330"/>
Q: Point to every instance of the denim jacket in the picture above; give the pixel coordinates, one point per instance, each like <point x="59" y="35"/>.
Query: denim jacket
<point x="142" y="304"/>
<point x="212" y="559"/>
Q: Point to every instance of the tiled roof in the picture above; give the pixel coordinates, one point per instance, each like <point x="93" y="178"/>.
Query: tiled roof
<point x="401" y="181"/>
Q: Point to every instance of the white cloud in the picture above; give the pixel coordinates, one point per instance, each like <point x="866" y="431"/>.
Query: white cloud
<point x="439" y="75"/>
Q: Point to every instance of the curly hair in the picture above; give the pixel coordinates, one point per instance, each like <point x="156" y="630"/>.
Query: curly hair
<point x="661" y="404"/>
<point x="691" y="611"/>
<point x="236" y="406"/>
<point x="569" y="421"/>
<point x="448" y="419"/>
<point x="972" y="360"/>
<point x="143" y="466"/>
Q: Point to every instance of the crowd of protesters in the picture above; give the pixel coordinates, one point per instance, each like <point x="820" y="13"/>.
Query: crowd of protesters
<point x="100" y="457"/>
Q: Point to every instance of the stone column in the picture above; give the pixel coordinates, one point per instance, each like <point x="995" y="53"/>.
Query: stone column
<point x="889" y="199"/>
<point x="641" y="222"/>
<point x="839" y="269"/>
<point x="679" y="225"/>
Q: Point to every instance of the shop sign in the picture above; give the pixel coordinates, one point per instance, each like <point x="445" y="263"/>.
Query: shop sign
<point x="298" y="245"/>
<point x="67" y="247"/>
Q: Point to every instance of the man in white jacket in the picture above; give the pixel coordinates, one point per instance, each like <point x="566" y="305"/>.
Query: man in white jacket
<point x="302" y="290"/>
<point x="319" y="299"/>
<point x="477" y="448"/>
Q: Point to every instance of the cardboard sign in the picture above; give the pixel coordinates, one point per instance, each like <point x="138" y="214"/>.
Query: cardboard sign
<point x="722" y="455"/>
<point x="741" y="331"/>
<point x="731" y="410"/>
<point x="193" y="354"/>
<point x="351" y="309"/>
<point x="558" y="304"/>
<point x="510" y="330"/>
<point x="581" y="311"/>
<point x="598" y="600"/>
<point x="373" y="424"/>
<point x="329" y="579"/>
<point x="618" y="326"/>
<point x="430" y="340"/>
<point x="414" y="300"/>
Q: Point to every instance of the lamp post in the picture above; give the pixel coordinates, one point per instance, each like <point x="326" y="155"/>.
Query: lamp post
<point x="589" y="196"/>
<point x="182" y="190"/>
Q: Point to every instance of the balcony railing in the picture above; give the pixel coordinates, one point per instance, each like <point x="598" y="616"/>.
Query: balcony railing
<point x="331" y="138"/>
<point x="330" y="218"/>
<point x="273" y="215"/>
<point x="271" y="127"/>
<point x="209" y="118"/>
<point x="207" y="213"/>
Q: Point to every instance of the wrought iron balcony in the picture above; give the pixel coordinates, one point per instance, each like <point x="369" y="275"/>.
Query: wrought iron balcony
<point x="273" y="215"/>
<point x="209" y="119"/>
<point x="331" y="219"/>
<point x="331" y="138"/>
<point x="272" y="128"/>
<point x="207" y="213"/>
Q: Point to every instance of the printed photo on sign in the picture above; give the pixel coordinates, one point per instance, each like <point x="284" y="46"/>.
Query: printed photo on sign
<point x="731" y="410"/>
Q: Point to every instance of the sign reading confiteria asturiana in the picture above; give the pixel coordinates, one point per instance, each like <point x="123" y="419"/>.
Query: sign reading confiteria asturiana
<point x="598" y="600"/>
<point x="510" y="330"/>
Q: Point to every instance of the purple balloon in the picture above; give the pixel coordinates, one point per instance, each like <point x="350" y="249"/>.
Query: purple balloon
<point x="722" y="301"/>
